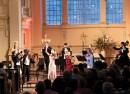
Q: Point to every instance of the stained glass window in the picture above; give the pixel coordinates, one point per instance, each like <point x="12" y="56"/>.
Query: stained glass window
<point x="53" y="12"/>
<point x="83" y="11"/>
<point x="114" y="11"/>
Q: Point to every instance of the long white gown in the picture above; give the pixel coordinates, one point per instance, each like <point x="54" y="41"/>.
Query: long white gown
<point x="52" y="68"/>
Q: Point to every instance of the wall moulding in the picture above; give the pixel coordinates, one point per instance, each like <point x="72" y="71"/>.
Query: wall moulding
<point x="1" y="28"/>
<point x="58" y="46"/>
<point x="4" y="27"/>
<point x="86" y="26"/>
<point x="3" y="17"/>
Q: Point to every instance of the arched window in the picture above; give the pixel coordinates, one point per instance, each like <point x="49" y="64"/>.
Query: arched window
<point x="83" y="11"/>
<point x="114" y="11"/>
<point x="53" y="12"/>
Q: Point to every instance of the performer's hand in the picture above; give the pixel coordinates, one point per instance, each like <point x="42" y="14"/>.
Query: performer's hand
<point x="47" y="53"/>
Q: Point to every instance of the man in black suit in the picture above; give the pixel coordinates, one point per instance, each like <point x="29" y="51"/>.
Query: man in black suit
<point x="123" y="54"/>
<point x="46" y="51"/>
<point x="26" y="64"/>
<point x="63" y="61"/>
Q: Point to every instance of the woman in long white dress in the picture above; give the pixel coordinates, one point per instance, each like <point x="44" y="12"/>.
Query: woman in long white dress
<point x="52" y="67"/>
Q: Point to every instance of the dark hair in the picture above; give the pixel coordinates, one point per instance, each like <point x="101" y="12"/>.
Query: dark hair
<point x="81" y="67"/>
<point x="73" y="84"/>
<point x="26" y="51"/>
<point x="123" y="43"/>
<point x="67" y="75"/>
<point x="68" y="90"/>
<point x="1" y="65"/>
<point x="58" y="85"/>
<point x="39" y="88"/>
<point x="65" y="43"/>
<point x="75" y="70"/>
<point x="47" y="83"/>
<point x="26" y="92"/>
<point x="85" y="65"/>
<point x="13" y="52"/>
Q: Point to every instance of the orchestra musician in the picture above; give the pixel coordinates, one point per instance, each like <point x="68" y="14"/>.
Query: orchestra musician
<point x="122" y="56"/>
<point x="26" y="65"/>
<point x="46" y="51"/>
<point x="16" y="56"/>
<point x="64" y="52"/>
<point x="89" y="58"/>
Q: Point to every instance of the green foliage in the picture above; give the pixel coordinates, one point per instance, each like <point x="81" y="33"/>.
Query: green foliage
<point x="103" y="42"/>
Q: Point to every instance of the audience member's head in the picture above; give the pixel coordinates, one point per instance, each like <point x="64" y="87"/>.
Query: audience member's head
<point x="75" y="70"/>
<point x="107" y="88"/>
<point x="81" y="67"/>
<point x="109" y="79"/>
<point x="47" y="84"/>
<point x="83" y="83"/>
<point x="126" y="67"/>
<point x="104" y="65"/>
<point x="117" y="92"/>
<point x="1" y="65"/>
<point x="123" y="92"/>
<point x="98" y="64"/>
<point x="58" y="85"/>
<point x="39" y="88"/>
<point x="85" y="65"/>
<point x="67" y="75"/>
<point x="68" y="90"/>
<point x="129" y="91"/>
<point x="26" y="92"/>
<point x="73" y="84"/>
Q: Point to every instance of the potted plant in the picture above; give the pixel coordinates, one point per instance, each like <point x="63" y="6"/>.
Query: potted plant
<point x="102" y="43"/>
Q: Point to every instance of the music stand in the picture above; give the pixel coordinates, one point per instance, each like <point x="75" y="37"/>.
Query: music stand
<point x="81" y="58"/>
<point x="101" y="56"/>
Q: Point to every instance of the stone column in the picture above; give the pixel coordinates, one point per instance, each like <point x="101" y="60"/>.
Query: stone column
<point x="44" y="26"/>
<point x="16" y="33"/>
<point x="103" y="11"/>
<point x="64" y="19"/>
<point x="4" y="36"/>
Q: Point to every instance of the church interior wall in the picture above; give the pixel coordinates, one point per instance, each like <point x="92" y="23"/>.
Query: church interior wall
<point x="3" y="29"/>
<point x="58" y="35"/>
<point x="72" y="34"/>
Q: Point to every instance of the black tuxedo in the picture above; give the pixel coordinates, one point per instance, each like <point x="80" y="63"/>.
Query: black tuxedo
<point x="15" y="58"/>
<point x="123" y="55"/>
<point x="26" y="68"/>
<point x="122" y="50"/>
<point x="63" y="60"/>
<point x="45" y="53"/>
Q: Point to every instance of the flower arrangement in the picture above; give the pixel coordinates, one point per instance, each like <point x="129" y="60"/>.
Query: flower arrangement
<point x="103" y="42"/>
